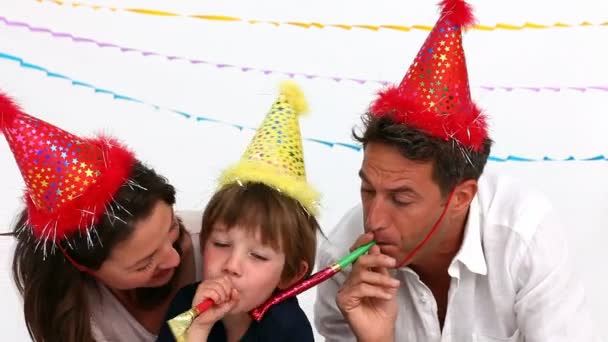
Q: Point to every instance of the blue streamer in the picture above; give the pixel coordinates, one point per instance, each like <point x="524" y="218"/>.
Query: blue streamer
<point x="198" y="118"/>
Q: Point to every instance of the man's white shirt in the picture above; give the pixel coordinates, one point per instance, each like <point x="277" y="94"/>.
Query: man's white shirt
<point x="512" y="279"/>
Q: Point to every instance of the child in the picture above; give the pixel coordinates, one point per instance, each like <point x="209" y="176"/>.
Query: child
<point x="258" y="236"/>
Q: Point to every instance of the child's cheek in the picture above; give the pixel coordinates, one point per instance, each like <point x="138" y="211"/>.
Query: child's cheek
<point x="211" y="263"/>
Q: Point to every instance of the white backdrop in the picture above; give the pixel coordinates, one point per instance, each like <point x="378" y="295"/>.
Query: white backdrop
<point x="540" y="87"/>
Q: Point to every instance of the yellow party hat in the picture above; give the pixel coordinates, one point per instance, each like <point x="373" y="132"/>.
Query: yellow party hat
<point x="274" y="156"/>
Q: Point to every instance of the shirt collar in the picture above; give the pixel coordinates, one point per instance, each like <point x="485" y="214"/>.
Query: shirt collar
<point x="471" y="252"/>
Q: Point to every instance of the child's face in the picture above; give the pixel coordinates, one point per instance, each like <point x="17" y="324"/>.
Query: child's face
<point x="255" y="269"/>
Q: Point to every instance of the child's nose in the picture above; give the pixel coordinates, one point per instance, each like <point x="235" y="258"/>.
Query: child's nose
<point x="233" y="266"/>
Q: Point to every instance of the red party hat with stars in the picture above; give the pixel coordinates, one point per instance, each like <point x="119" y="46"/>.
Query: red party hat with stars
<point x="434" y="95"/>
<point x="69" y="180"/>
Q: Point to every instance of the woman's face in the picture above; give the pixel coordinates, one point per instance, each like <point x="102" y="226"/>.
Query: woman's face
<point x="148" y="258"/>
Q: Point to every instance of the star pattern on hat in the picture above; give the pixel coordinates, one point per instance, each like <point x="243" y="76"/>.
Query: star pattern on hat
<point x="435" y="78"/>
<point x="59" y="166"/>
<point x="278" y="142"/>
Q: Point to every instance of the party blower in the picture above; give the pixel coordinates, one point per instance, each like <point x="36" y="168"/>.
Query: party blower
<point x="180" y="324"/>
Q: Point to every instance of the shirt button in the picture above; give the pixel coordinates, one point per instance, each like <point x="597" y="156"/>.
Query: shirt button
<point x="423" y="299"/>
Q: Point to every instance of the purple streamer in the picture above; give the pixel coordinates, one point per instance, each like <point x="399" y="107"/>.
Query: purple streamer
<point x="602" y="88"/>
<point x="354" y="147"/>
<point x="289" y="74"/>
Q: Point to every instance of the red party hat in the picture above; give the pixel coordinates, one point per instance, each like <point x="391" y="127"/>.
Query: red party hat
<point x="69" y="180"/>
<point x="434" y="95"/>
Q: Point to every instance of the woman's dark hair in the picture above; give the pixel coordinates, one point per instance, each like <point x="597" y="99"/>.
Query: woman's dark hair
<point x="53" y="289"/>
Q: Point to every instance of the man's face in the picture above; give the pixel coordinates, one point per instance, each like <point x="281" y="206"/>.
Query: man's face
<point x="401" y="201"/>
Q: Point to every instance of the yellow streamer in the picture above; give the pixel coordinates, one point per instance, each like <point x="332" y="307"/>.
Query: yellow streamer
<point x="151" y="12"/>
<point x="312" y="25"/>
<point x="215" y="17"/>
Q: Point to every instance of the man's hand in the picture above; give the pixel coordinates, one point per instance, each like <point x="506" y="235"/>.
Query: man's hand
<point x="367" y="299"/>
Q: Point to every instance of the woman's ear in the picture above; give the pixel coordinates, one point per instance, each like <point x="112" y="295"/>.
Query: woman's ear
<point x="303" y="269"/>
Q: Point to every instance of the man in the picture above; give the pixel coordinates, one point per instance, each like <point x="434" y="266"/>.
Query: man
<point x="459" y="257"/>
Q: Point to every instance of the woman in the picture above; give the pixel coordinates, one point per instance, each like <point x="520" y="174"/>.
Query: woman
<point x="100" y="252"/>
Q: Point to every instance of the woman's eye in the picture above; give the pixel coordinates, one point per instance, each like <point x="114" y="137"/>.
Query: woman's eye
<point x="145" y="268"/>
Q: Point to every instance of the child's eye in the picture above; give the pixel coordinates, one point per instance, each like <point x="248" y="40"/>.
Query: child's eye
<point x="220" y="244"/>
<point x="259" y="257"/>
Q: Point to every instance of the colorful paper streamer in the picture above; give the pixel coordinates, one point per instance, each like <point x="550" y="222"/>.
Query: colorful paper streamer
<point x="198" y="118"/>
<point x="317" y="25"/>
<point x="290" y="74"/>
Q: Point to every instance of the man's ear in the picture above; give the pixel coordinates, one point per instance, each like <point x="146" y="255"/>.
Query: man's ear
<point x="463" y="196"/>
<point x="303" y="269"/>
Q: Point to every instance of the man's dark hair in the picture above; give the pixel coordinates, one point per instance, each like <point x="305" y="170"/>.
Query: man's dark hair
<point x="452" y="162"/>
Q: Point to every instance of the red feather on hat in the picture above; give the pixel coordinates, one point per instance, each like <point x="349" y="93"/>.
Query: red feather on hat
<point x="8" y="111"/>
<point x="458" y="12"/>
